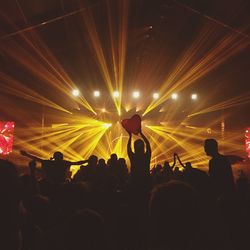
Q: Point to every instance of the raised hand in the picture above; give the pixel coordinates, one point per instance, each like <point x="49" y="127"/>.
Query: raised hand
<point x="129" y="133"/>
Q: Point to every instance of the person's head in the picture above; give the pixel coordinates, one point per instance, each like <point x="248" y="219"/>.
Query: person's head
<point x="173" y="205"/>
<point x="176" y="169"/>
<point x="93" y="160"/>
<point x="139" y="146"/>
<point x="211" y="147"/>
<point x="113" y="157"/>
<point x="122" y="161"/>
<point x="166" y="164"/>
<point x="85" y="229"/>
<point x="188" y="165"/>
<point x="101" y="162"/>
<point x="58" y="156"/>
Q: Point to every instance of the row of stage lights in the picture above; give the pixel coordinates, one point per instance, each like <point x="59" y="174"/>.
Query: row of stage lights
<point x="135" y="94"/>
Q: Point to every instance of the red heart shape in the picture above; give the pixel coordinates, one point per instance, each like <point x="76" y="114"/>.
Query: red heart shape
<point x="132" y="125"/>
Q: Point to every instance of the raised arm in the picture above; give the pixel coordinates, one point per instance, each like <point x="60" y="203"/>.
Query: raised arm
<point x="148" y="147"/>
<point x="180" y="160"/>
<point x="33" y="157"/>
<point x="172" y="167"/>
<point x="129" y="149"/>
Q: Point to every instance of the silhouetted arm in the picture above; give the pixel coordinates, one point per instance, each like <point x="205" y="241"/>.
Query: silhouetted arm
<point x="180" y="161"/>
<point x="174" y="161"/>
<point x="33" y="157"/>
<point x="129" y="149"/>
<point x="78" y="162"/>
<point x="148" y="147"/>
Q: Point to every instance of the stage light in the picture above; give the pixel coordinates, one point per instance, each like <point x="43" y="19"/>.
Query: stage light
<point x="75" y="92"/>
<point x="155" y="95"/>
<point x="107" y="125"/>
<point x="194" y="96"/>
<point x="97" y="93"/>
<point x="103" y="110"/>
<point x="6" y="137"/>
<point x="174" y="96"/>
<point x="116" y="94"/>
<point x="136" y="94"/>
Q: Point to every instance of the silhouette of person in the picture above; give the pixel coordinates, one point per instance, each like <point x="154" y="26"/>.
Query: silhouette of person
<point x="194" y="176"/>
<point x="139" y="159"/>
<point x="220" y="170"/>
<point x="9" y="209"/>
<point x="56" y="168"/>
<point x="173" y="209"/>
<point x="89" y="172"/>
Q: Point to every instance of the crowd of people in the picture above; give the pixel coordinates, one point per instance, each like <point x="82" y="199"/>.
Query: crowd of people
<point x="105" y="205"/>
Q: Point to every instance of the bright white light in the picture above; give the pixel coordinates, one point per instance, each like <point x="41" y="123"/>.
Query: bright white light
<point x="97" y="93"/>
<point x="107" y="125"/>
<point x="136" y="94"/>
<point x="116" y="94"/>
<point x="194" y="96"/>
<point x="155" y="95"/>
<point x="103" y="110"/>
<point x="174" y="96"/>
<point x="75" y="92"/>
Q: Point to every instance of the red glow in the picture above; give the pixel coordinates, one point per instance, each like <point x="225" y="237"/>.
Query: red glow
<point x="247" y="135"/>
<point x="6" y="137"/>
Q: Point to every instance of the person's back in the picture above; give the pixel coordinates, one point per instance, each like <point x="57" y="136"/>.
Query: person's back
<point x="139" y="159"/>
<point x="56" y="170"/>
<point x="220" y="173"/>
<point x="175" y="217"/>
<point x="220" y="170"/>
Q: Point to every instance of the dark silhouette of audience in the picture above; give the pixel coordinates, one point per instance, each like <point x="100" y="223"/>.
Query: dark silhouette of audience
<point x="220" y="170"/>
<point x="56" y="168"/>
<point x="107" y="205"/>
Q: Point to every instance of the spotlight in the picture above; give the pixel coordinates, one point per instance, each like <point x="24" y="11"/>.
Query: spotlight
<point x="103" y="110"/>
<point x="75" y="92"/>
<point x="107" y="125"/>
<point x="97" y="93"/>
<point x="155" y="95"/>
<point x="136" y="94"/>
<point x="194" y="96"/>
<point x="174" y="96"/>
<point x="116" y="94"/>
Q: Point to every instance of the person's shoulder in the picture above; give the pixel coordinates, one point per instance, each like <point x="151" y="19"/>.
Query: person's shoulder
<point x="223" y="158"/>
<point x="67" y="163"/>
<point x="46" y="161"/>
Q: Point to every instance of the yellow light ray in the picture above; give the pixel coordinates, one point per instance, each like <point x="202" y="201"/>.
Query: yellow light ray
<point x="33" y="54"/>
<point x="233" y="102"/>
<point x="190" y="68"/>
